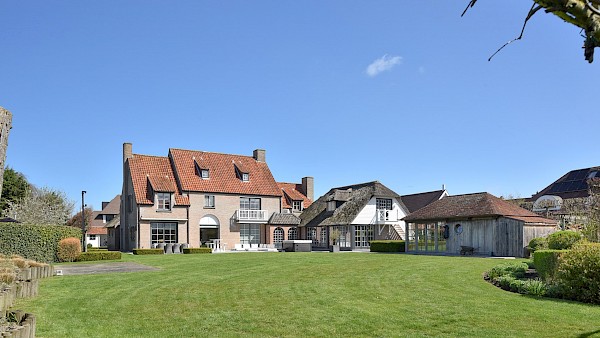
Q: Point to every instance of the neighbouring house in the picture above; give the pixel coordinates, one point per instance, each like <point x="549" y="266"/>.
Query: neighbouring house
<point x="485" y="223"/>
<point x="414" y="202"/>
<point x="206" y="198"/>
<point x="566" y="199"/>
<point x="360" y="213"/>
<point x="96" y="233"/>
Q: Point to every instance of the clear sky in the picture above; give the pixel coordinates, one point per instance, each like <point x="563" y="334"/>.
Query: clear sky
<point x="344" y="91"/>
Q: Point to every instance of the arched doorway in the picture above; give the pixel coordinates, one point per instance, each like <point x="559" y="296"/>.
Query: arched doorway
<point x="278" y="235"/>
<point x="209" y="229"/>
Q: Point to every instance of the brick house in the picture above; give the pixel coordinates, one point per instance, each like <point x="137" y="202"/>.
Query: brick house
<point x="199" y="197"/>
<point x="97" y="232"/>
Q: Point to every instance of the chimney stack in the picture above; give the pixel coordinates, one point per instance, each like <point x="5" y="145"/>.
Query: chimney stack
<point x="308" y="185"/>
<point x="259" y="155"/>
<point x="127" y="151"/>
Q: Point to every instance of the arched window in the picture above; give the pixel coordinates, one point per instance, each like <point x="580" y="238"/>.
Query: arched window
<point x="312" y="234"/>
<point x="293" y="233"/>
<point x="278" y="235"/>
<point x="324" y="236"/>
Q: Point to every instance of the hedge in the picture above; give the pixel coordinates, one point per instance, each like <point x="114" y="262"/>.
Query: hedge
<point x="579" y="273"/>
<point x="197" y="250"/>
<point x="563" y="240"/>
<point x="98" y="256"/>
<point x="546" y="262"/>
<point x="34" y="242"/>
<point x="157" y="251"/>
<point x="387" y="246"/>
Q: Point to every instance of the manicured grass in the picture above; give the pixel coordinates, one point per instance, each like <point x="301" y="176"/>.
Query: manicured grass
<point x="299" y="295"/>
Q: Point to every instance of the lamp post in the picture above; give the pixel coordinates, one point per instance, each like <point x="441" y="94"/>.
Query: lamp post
<point x="83" y="248"/>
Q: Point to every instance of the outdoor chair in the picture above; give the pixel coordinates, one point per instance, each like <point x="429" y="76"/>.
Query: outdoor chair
<point x="177" y="248"/>
<point x="160" y="246"/>
<point x="184" y="246"/>
<point x="169" y="248"/>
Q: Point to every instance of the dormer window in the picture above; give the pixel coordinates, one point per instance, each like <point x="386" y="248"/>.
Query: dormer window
<point x="245" y="177"/>
<point x="331" y="205"/>
<point x="297" y="205"/>
<point x="241" y="171"/>
<point x="163" y="201"/>
<point x="384" y="203"/>
<point x="204" y="174"/>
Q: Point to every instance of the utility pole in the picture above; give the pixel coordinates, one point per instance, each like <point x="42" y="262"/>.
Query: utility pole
<point x="83" y="248"/>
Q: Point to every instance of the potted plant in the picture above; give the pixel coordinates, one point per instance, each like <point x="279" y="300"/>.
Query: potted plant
<point x="334" y="236"/>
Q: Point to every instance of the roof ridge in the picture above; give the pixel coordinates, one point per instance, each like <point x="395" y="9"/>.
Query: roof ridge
<point x="210" y="152"/>
<point x="144" y="155"/>
<point x="422" y="193"/>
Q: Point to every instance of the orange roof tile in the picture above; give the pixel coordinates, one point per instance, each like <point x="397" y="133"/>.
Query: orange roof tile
<point x="223" y="178"/>
<point x="142" y="167"/>
<point x="96" y="230"/>
<point x="292" y="192"/>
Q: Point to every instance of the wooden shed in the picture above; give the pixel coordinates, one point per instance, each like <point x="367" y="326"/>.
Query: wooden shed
<point x="481" y="221"/>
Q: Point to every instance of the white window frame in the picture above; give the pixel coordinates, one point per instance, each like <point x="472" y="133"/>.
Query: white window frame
<point x="245" y="177"/>
<point x="278" y="235"/>
<point x="163" y="201"/>
<point x="204" y="174"/>
<point x="297" y="205"/>
<point x="384" y="203"/>
<point x="209" y="201"/>
<point x="293" y="233"/>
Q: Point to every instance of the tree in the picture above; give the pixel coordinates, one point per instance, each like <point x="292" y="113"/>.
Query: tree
<point x="43" y="206"/>
<point x="584" y="14"/>
<point x="14" y="187"/>
<point x="75" y="221"/>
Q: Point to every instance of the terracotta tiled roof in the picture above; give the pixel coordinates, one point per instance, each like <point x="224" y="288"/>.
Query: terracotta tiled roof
<point x="223" y="178"/>
<point x="161" y="183"/>
<point x="113" y="207"/>
<point x="415" y="202"/>
<point x="474" y="205"/>
<point x="292" y="192"/>
<point x="142" y="167"/>
<point x="93" y="230"/>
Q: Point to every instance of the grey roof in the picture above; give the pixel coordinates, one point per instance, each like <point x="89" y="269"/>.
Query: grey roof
<point x="112" y="208"/>
<point x="571" y="185"/>
<point x="284" y="219"/>
<point x="415" y="202"/>
<point x="114" y="223"/>
<point x="355" y="197"/>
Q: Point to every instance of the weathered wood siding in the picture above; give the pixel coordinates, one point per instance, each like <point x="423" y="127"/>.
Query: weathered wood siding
<point x="509" y="238"/>
<point x="532" y="231"/>
<point x="489" y="236"/>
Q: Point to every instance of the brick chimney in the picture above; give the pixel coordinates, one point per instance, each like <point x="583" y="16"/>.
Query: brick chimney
<point x="259" y="155"/>
<point x="127" y="151"/>
<point x="308" y="187"/>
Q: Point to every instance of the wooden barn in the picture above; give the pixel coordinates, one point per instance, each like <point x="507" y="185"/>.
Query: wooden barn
<point x="480" y="224"/>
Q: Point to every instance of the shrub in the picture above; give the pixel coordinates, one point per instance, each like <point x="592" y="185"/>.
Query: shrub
<point x="516" y="270"/>
<point x="35" y="242"/>
<point x="563" y="240"/>
<point x="97" y="249"/>
<point x="535" y="287"/>
<point x="504" y="281"/>
<point x="69" y="249"/>
<point x="579" y="273"/>
<point x="98" y="256"/>
<point x="538" y="243"/>
<point x="156" y="251"/>
<point x="546" y="263"/>
<point x="197" y="250"/>
<point x="387" y="246"/>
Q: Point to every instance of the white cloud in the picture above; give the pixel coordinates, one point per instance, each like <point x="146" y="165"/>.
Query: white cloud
<point x="383" y="64"/>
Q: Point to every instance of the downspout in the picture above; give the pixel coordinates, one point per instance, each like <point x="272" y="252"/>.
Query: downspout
<point x="188" y="220"/>
<point x="137" y="244"/>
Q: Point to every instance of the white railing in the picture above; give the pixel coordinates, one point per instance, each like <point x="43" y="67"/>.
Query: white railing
<point x="384" y="215"/>
<point x="252" y="215"/>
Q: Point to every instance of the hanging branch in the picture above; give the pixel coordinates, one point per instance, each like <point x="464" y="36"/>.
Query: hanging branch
<point x="532" y="11"/>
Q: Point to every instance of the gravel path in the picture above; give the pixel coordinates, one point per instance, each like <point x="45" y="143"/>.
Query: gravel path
<point x="86" y="269"/>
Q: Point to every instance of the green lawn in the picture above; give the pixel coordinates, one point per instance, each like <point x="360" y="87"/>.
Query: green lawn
<point x="299" y="295"/>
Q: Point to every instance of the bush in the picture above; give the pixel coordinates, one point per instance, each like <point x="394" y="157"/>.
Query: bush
<point x="563" y="240"/>
<point x="579" y="273"/>
<point x="546" y="263"/>
<point x="97" y="249"/>
<point x="69" y="249"/>
<point x="98" y="256"/>
<point x="156" y="251"/>
<point x="387" y="246"/>
<point x="35" y="242"/>
<point x="539" y="243"/>
<point x="535" y="287"/>
<point x="516" y="270"/>
<point x="197" y="250"/>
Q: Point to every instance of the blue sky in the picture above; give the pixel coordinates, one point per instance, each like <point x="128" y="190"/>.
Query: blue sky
<point x="344" y="91"/>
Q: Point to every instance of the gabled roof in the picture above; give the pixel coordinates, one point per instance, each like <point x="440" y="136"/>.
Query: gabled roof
<point x="96" y="230"/>
<point x="223" y="178"/>
<point x="293" y="192"/>
<point x="113" y="207"/>
<point x="358" y="196"/>
<point x="474" y="205"/>
<point x="142" y="167"/>
<point x="114" y="223"/>
<point x="571" y="185"/>
<point x="415" y="202"/>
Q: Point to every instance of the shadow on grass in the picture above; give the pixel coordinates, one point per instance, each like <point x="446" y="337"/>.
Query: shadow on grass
<point x="589" y="334"/>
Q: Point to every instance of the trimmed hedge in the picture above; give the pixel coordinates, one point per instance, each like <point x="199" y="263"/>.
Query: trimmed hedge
<point x="34" y="242"/>
<point x="563" y="240"/>
<point x="157" y="251"/>
<point x="197" y="250"/>
<point x="546" y="262"/>
<point x="98" y="256"/>
<point x="387" y="246"/>
<point x="97" y="249"/>
<point x="538" y="243"/>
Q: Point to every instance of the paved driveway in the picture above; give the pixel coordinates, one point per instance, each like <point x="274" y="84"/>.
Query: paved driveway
<point x="86" y="269"/>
